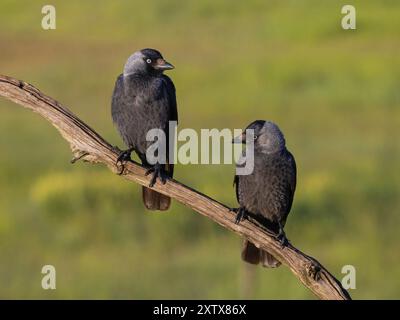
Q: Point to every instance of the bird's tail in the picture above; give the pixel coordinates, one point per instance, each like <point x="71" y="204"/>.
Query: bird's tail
<point x="254" y="255"/>
<point x="154" y="200"/>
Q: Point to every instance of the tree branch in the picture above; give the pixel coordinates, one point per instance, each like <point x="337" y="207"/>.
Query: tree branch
<point x="86" y="144"/>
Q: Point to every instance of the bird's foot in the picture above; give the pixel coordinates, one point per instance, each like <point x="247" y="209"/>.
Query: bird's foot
<point x="157" y="172"/>
<point x="282" y="237"/>
<point x="122" y="157"/>
<point x="241" y="214"/>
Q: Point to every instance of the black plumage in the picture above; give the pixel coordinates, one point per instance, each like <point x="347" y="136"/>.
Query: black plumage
<point x="267" y="193"/>
<point x="144" y="99"/>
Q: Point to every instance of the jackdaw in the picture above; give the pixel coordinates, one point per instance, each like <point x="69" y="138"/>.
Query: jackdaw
<point x="267" y="193"/>
<point x="144" y="99"/>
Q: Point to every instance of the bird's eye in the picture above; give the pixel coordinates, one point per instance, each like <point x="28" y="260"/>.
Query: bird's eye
<point x="148" y="60"/>
<point x="255" y="137"/>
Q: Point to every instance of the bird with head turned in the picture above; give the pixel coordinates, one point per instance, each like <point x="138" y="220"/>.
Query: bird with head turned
<point x="267" y="192"/>
<point x="146" y="62"/>
<point x="143" y="99"/>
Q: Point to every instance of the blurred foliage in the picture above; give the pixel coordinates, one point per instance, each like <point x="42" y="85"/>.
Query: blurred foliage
<point x="335" y="94"/>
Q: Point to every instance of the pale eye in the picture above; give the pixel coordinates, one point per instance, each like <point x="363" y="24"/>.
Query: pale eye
<point x="148" y="60"/>
<point x="255" y="137"/>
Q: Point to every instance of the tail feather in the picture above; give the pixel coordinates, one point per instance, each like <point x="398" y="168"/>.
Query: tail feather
<point x="254" y="255"/>
<point x="250" y="253"/>
<point x="154" y="200"/>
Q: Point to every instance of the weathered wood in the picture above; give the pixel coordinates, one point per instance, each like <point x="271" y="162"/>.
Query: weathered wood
<point x="86" y="144"/>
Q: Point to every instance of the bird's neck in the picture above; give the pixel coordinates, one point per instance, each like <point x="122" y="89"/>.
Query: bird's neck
<point x="142" y="74"/>
<point x="138" y="79"/>
<point x="269" y="152"/>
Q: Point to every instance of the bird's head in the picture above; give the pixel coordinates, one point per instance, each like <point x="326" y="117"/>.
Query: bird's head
<point x="267" y="136"/>
<point x="146" y="61"/>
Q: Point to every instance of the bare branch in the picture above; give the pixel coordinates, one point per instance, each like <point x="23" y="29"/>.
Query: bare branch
<point x="86" y="144"/>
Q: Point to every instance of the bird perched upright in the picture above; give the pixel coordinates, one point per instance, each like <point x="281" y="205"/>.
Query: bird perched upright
<point x="144" y="99"/>
<point x="267" y="193"/>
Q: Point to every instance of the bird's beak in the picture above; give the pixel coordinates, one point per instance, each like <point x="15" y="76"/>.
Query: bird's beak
<point x="240" y="139"/>
<point x="161" y="64"/>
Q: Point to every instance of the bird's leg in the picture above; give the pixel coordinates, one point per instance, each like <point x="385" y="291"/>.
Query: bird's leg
<point x="158" y="172"/>
<point x="282" y="236"/>
<point x="241" y="214"/>
<point x="124" y="156"/>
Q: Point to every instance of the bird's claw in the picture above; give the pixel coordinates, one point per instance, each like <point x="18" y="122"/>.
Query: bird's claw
<point x="123" y="156"/>
<point x="282" y="238"/>
<point x="240" y="214"/>
<point x="157" y="173"/>
<point x="313" y="271"/>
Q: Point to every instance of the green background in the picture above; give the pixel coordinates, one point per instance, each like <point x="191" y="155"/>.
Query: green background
<point x="334" y="93"/>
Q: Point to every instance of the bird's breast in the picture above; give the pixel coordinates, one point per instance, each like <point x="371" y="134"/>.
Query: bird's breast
<point x="262" y="192"/>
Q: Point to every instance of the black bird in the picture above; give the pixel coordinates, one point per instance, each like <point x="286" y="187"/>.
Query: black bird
<point x="144" y="99"/>
<point x="267" y="193"/>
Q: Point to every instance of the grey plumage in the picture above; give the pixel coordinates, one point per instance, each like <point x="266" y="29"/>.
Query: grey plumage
<point x="144" y="99"/>
<point x="268" y="191"/>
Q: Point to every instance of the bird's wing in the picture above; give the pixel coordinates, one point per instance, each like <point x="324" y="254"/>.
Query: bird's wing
<point x="239" y="182"/>
<point x="236" y="185"/>
<point x="119" y="110"/>
<point x="116" y="97"/>
<point x="292" y="173"/>
<point x="172" y="116"/>
<point x="171" y="92"/>
<point x="290" y="178"/>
